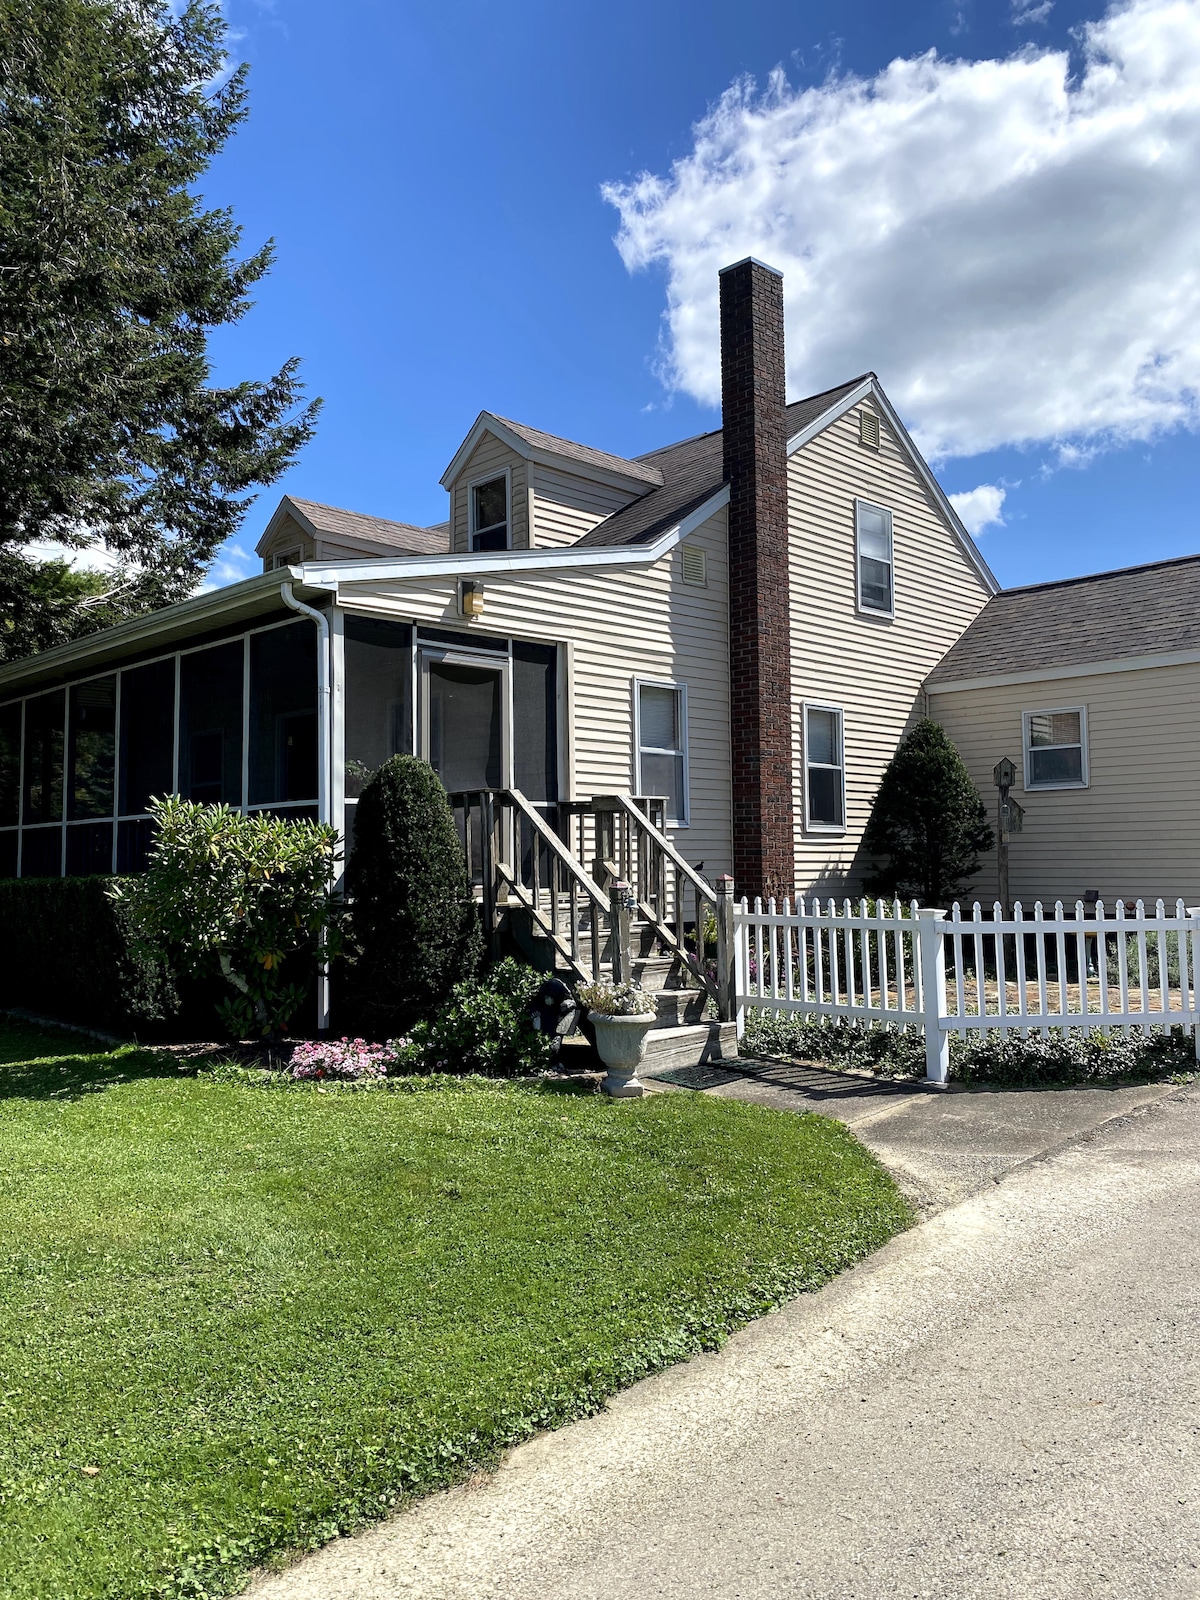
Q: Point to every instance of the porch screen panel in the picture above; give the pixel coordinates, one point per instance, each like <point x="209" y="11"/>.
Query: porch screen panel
<point x="44" y="758"/>
<point x="10" y="765"/>
<point x="41" y="852"/>
<point x="535" y="720"/>
<point x="89" y="849"/>
<point x="91" y="759"/>
<point x="8" y="854"/>
<point x="378" y="702"/>
<point x="283" y="715"/>
<point x="147" y="755"/>
<point x="210" y="724"/>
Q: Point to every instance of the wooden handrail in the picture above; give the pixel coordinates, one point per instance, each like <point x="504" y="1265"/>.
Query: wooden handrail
<point x="559" y="846"/>
<point x="622" y="802"/>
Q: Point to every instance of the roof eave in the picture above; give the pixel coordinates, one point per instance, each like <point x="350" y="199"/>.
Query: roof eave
<point x="488" y="422"/>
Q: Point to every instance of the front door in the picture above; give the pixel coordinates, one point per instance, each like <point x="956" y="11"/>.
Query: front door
<point x="462" y="719"/>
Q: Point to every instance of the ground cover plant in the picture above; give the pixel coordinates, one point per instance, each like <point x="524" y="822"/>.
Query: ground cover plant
<point x="239" y="1319"/>
<point x="1064" y="1057"/>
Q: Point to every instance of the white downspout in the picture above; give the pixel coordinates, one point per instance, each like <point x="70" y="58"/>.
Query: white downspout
<point x="324" y="750"/>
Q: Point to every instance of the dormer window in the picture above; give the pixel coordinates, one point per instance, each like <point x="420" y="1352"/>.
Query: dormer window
<point x="489" y="514"/>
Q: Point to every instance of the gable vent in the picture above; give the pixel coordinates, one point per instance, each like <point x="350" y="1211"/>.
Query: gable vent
<point x="694" y="566"/>
<point x="868" y="429"/>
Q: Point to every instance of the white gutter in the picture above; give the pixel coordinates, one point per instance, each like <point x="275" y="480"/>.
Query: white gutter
<point x="324" y="696"/>
<point x="324" y="747"/>
<point x="482" y="563"/>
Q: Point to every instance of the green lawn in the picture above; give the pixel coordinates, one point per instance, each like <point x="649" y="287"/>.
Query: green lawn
<point x="267" y="1314"/>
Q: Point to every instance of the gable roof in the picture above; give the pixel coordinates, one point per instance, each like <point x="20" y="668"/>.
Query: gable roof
<point x="1108" y="616"/>
<point x="534" y="445"/>
<point x="354" y="526"/>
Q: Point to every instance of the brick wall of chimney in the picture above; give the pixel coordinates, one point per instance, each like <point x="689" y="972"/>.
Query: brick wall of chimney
<point x="755" y="451"/>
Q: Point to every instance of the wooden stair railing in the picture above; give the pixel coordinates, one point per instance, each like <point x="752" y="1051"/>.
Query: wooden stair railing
<point x="514" y="854"/>
<point x="630" y="841"/>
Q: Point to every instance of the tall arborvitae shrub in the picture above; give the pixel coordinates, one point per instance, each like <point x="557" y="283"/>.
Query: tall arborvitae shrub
<point x="412" y="913"/>
<point x="928" y="826"/>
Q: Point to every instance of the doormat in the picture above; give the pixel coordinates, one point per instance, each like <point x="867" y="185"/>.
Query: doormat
<point x="708" y="1075"/>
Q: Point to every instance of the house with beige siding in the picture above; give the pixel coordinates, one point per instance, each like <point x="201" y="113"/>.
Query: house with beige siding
<point x="1088" y="686"/>
<point x="730" y="634"/>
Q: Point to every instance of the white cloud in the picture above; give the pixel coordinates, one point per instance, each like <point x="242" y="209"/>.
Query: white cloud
<point x="233" y="563"/>
<point x="980" y="508"/>
<point x="1013" y="247"/>
<point x="90" y="558"/>
<point x="1024" y="13"/>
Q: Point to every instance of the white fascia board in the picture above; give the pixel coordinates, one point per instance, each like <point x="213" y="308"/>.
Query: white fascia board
<point x="485" y="422"/>
<point x="871" y="386"/>
<point x="1085" y="669"/>
<point x="186" y="616"/>
<point x="511" y="563"/>
<point x="286" y="508"/>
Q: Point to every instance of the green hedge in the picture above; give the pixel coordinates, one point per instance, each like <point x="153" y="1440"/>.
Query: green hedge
<point x="67" y="952"/>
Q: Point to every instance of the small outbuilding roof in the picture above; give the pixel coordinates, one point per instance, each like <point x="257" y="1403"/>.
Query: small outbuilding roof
<point x="1109" y="616"/>
<point x="390" y="538"/>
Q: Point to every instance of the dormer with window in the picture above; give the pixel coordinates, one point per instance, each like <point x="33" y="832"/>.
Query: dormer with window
<point x="512" y="487"/>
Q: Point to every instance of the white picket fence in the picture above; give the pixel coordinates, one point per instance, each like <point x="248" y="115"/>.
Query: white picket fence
<point x="913" y="967"/>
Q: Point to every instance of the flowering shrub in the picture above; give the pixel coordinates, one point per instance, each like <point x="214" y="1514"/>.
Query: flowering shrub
<point x="616" y="999"/>
<point x="486" y="1028"/>
<point x="346" y="1059"/>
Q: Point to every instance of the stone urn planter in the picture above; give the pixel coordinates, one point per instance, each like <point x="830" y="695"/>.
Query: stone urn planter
<point x="621" y="1045"/>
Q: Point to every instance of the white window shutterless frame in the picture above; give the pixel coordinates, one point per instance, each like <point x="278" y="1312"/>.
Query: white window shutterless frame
<point x="824" y="769"/>
<point x="1056" y="752"/>
<point x="489" y="512"/>
<point x="875" y="577"/>
<point x="660" y="745"/>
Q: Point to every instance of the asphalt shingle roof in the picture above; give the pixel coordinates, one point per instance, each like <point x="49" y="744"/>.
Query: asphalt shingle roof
<point x="692" y="471"/>
<point x="399" y="536"/>
<point x="583" y="453"/>
<point x="1134" y="611"/>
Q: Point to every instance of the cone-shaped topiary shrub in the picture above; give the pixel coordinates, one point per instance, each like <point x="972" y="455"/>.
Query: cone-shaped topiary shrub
<point x="414" y="920"/>
<point x="928" y="824"/>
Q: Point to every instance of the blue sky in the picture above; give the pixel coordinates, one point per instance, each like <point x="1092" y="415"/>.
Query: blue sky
<point x="1006" y="233"/>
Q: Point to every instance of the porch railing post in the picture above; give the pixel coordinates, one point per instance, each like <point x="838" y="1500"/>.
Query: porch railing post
<point x="931" y="944"/>
<point x="487" y="849"/>
<point x="620" y="903"/>
<point x="726" y="964"/>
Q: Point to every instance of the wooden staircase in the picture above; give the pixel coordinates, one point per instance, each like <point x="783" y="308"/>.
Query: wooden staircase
<point x="595" y="888"/>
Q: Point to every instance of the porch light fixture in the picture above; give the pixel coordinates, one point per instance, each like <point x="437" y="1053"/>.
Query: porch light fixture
<point x="470" y="597"/>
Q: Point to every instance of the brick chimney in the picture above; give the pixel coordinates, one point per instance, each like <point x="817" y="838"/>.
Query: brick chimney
<point x="760" y="658"/>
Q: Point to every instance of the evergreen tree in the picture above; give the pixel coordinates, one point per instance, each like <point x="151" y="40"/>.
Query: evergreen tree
<point x="928" y="825"/>
<point x="112" y="273"/>
<point x="413" y="915"/>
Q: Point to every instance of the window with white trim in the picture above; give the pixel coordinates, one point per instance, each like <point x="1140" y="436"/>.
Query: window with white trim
<point x="660" y="715"/>
<point x="1056" y="748"/>
<point x="288" y="558"/>
<point x="489" y="514"/>
<point x="873" y="541"/>
<point x="824" y="769"/>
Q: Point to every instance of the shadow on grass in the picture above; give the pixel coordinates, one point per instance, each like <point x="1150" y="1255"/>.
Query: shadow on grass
<point x="45" y="1064"/>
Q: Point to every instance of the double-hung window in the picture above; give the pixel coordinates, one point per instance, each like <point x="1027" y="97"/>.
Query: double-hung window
<point x="660" y="734"/>
<point x="824" y="769"/>
<point x="489" y="514"/>
<point x="873" y="541"/>
<point x="1056" y="748"/>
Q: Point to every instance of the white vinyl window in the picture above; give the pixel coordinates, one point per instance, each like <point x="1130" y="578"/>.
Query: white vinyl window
<point x="489" y="513"/>
<point x="873" y="541"/>
<point x="824" y="769"/>
<point x="660" y="737"/>
<point x="288" y="558"/>
<point x="1056" y="754"/>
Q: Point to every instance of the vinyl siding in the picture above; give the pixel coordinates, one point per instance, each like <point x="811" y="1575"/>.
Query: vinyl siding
<point x="288" y="536"/>
<point x="489" y="458"/>
<point x="565" y="506"/>
<point x="619" y="624"/>
<point x="872" y="667"/>
<point x="1132" y="832"/>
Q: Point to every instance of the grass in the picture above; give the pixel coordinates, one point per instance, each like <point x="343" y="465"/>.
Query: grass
<point x="236" y="1321"/>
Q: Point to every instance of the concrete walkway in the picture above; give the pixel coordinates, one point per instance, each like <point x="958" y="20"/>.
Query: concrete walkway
<point x="939" y="1144"/>
<point x="1003" y="1402"/>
